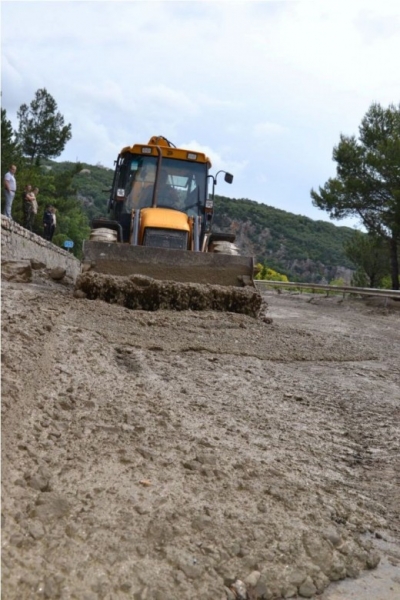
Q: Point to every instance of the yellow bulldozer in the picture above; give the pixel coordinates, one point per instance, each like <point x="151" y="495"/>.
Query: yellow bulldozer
<point x="157" y="249"/>
<point x="161" y="209"/>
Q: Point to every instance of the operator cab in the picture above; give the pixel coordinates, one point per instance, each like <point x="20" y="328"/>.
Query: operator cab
<point x="161" y="176"/>
<point x="181" y="184"/>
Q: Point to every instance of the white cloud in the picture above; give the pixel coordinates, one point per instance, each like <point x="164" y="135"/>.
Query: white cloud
<point x="219" y="161"/>
<point x="208" y="101"/>
<point x="169" y="99"/>
<point x="267" y="128"/>
<point x="265" y="88"/>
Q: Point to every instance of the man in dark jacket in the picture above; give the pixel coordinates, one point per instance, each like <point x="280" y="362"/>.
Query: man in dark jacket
<point x="48" y="223"/>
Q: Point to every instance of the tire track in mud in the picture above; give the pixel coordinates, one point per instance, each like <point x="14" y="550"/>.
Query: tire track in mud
<point x="27" y="359"/>
<point x="151" y="470"/>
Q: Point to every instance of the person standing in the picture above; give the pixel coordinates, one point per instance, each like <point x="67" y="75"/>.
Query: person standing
<point x="35" y="206"/>
<point x="28" y="198"/>
<point x="54" y="223"/>
<point x="10" y="187"/>
<point x="49" y="222"/>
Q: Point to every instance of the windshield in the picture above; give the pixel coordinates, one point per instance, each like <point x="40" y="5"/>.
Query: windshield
<point x="181" y="184"/>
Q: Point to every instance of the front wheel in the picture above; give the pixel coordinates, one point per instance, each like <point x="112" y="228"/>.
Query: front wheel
<point x="103" y="234"/>
<point x="222" y="247"/>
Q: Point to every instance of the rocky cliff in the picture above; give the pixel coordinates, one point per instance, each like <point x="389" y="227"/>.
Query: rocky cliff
<point x="303" y="249"/>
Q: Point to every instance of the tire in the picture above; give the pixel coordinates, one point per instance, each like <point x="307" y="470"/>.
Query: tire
<point x="223" y="247"/>
<point x="103" y="234"/>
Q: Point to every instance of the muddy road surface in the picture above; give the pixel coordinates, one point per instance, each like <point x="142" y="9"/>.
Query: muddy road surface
<point x="183" y="455"/>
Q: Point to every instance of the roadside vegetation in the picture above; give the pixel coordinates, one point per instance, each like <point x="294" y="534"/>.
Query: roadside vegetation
<point x="41" y="136"/>
<point x="293" y="245"/>
<point x="284" y="245"/>
<point x="367" y="185"/>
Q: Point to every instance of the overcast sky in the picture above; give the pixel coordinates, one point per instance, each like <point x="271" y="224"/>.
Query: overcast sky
<point x="265" y="88"/>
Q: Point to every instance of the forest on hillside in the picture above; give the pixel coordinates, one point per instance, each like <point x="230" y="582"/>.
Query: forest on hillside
<point x="367" y="185"/>
<point x="280" y="237"/>
<point x="273" y="236"/>
<point x="79" y="192"/>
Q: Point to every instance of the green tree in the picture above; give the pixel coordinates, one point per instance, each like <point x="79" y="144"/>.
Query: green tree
<point x="72" y="222"/>
<point x="370" y="255"/>
<point x="296" y="246"/>
<point x="265" y="272"/>
<point x="10" y="150"/>
<point x="42" y="132"/>
<point x="56" y="188"/>
<point x="11" y="153"/>
<point x="41" y="135"/>
<point x="367" y="182"/>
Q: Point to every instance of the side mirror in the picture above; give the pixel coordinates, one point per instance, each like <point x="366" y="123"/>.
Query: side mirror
<point x="228" y="177"/>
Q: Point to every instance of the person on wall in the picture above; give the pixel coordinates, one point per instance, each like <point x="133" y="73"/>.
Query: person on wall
<point x="48" y="223"/>
<point x="35" y="206"/>
<point x="10" y="187"/>
<point x="54" y="223"/>
<point x="29" y="204"/>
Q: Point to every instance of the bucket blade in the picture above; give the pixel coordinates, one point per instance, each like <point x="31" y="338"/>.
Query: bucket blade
<point x="166" y="264"/>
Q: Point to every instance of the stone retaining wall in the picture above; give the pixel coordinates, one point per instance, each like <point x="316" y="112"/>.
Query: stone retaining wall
<point x="17" y="243"/>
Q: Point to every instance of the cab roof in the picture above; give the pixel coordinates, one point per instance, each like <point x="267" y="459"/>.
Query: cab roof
<point x="168" y="150"/>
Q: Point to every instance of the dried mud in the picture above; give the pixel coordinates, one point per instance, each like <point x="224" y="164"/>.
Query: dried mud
<point x="139" y="292"/>
<point x="196" y="455"/>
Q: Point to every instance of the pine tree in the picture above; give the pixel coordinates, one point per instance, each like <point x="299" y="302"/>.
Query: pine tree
<point x="42" y="132"/>
<point x="367" y="182"/>
<point x="10" y="150"/>
<point x="370" y="254"/>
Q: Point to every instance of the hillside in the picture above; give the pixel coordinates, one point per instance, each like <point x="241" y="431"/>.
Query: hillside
<point x="303" y="249"/>
<point x="91" y="185"/>
<point x="295" y="245"/>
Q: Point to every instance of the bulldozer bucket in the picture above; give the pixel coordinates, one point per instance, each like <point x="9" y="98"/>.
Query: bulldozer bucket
<point x="167" y="265"/>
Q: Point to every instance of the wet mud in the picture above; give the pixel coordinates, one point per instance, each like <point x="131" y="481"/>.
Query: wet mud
<point x="138" y="292"/>
<point x="182" y="454"/>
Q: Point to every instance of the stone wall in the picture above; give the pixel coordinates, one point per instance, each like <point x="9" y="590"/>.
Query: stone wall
<point x="17" y="243"/>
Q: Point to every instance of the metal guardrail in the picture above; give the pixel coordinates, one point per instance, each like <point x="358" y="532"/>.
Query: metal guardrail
<point x="344" y="289"/>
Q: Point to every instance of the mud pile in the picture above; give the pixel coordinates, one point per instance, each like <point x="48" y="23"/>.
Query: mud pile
<point x="138" y="292"/>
